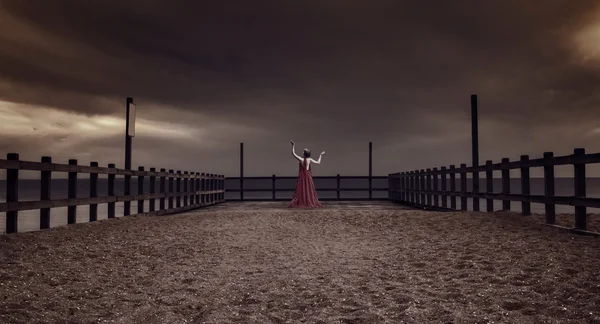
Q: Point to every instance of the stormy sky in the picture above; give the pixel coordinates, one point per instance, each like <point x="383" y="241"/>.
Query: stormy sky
<point x="330" y="74"/>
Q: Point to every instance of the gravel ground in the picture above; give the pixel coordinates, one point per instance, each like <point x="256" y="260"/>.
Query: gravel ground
<point x="276" y="265"/>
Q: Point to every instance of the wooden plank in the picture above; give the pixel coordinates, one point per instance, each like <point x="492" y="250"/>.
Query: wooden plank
<point x="30" y="205"/>
<point x="314" y="177"/>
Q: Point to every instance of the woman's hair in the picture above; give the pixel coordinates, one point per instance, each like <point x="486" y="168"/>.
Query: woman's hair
<point x="306" y="153"/>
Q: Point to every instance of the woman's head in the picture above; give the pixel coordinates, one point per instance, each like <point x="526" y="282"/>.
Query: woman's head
<point x="306" y="153"/>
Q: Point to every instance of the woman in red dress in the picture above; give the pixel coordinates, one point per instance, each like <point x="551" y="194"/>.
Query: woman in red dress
<point x="305" y="195"/>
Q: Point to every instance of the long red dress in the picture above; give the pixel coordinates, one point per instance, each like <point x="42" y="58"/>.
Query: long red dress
<point x="306" y="194"/>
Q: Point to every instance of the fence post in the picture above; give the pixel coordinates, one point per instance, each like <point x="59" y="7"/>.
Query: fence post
<point x="192" y="188"/>
<point x="475" y="188"/>
<point x="273" y="186"/>
<point x="428" y="187"/>
<point x="423" y="188"/>
<point x="171" y="191"/>
<point x="178" y="189"/>
<point x="489" y="184"/>
<point x="242" y="171"/>
<point x="505" y="184"/>
<point x="111" y="192"/>
<point x="549" y="187"/>
<point x="72" y="194"/>
<point x="402" y="187"/>
<point x="140" y="191"/>
<point x="525" y="186"/>
<point x="12" y="195"/>
<point x="203" y="188"/>
<point x="463" y="187"/>
<point x="93" y="193"/>
<point x="411" y="187"/>
<point x="453" y="187"/>
<point x="46" y="181"/>
<point x="127" y="192"/>
<point x="580" y="190"/>
<point x="436" y="196"/>
<point x="444" y="188"/>
<point x="185" y="188"/>
<point x="198" y="188"/>
<point x="370" y="170"/>
<point x="338" y="186"/>
<point x="162" y="185"/>
<point x="152" y="202"/>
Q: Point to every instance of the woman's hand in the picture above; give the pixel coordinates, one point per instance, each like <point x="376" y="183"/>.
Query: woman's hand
<point x="293" y="143"/>
<point x="322" y="153"/>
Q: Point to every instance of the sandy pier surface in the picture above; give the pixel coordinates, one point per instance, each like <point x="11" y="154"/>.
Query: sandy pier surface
<point x="260" y="263"/>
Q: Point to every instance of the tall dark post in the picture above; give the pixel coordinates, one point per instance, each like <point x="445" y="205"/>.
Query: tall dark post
<point x="370" y="170"/>
<point x="127" y="137"/>
<point x="549" y="187"/>
<point x="525" y="186"/>
<point x="241" y="171"/>
<point x="127" y="184"/>
<point x="475" y="148"/>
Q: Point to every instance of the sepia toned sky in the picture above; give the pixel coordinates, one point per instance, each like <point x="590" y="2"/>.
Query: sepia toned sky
<point x="329" y="74"/>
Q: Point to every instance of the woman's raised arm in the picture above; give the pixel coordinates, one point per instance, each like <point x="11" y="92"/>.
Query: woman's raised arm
<point x="294" y="151"/>
<point x="319" y="160"/>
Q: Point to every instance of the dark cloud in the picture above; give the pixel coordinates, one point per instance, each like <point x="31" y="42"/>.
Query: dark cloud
<point x="331" y="73"/>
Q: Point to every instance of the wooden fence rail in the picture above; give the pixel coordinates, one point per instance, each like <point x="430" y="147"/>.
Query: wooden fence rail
<point x="337" y="189"/>
<point x="412" y="187"/>
<point x="199" y="189"/>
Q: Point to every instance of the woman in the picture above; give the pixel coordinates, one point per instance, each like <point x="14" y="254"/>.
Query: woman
<point x="305" y="195"/>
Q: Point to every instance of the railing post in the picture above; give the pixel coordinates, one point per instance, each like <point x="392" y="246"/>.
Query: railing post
<point x="72" y="194"/>
<point x="203" y="188"/>
<point x="580" y="190"/>
<point x="152" y="202"/>
<point x="475" y="188"/>
<point x="391" y="188"/>
<point x="140" y="191"/>
<point x="198" y="188"/>
<point x="185" y="188"/>
<point x="242" y="171"/>
<point x="111" y="192"/>
<point x="428" y="182"/>
<point x="192" y="188"/>
<point x="221" y="195"/>
<point x="423" y="188"/>
<point x="273" y="186"/>
<point x="171" y="191"/>
<point x="463" y="187"/>
<point x="436" y="195"/>
<point x="12" y="195"/>
<point x="338" y="186"/>
<point x="549" y="187"/>
<point x="525" y="186"/>
<point x="178" y="189"/>
<point x="46" y="182"/>
<point x="444" y="188"/>
<point x="93" y="193"/>
<point x="489" y="184"/>
<point x="213" y="183"/>
<point x="413" y="188"/>
<point x="126" y="193"/>
<point x="505" y="183"/>
<point x="370" y="170"/>
<point x="401" y="187"/>
<point x="452" y="187"/>
<point x="162" y="185"/>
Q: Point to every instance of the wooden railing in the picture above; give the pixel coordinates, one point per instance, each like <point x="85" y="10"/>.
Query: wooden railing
<point x="194" y="188"/>
<point x="420" y="187"/>
<point x="338" y="188"/>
